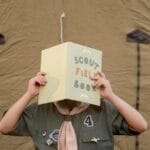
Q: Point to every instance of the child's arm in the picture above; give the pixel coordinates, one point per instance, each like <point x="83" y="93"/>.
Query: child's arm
<point x="10" y="119"/>
<point x="134" y="119"/>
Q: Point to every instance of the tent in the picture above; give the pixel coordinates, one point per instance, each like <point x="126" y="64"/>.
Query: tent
<point x="30" y="26"/>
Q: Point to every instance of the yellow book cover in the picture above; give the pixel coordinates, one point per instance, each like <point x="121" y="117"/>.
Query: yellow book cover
<point x="68" y="68"/>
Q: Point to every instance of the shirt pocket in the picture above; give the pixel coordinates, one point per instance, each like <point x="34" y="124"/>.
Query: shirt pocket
<point x="95" y="140"/>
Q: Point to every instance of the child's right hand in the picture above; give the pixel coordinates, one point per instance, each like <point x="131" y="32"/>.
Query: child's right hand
<point x="35" y="83"/>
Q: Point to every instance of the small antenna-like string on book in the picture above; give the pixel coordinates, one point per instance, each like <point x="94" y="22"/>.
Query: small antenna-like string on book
<point x="61" y="27"/>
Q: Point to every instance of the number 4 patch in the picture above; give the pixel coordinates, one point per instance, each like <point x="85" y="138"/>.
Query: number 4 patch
<point x="88" y="121"/>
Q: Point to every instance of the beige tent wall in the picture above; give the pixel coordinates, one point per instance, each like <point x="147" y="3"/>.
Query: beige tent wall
<point x="32" y="25"/>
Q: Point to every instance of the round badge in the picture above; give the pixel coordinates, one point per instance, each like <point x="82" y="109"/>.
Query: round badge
<point x="44" y="133"/>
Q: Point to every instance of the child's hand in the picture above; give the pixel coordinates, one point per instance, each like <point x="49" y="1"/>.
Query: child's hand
<point x="101" y="82"/>
<point x="35" y="83"/>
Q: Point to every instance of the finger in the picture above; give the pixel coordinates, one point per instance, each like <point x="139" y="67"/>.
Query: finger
<point x="41" y="73"/>
<point x="101" y="74"/>
<point x="43" y="78"/>
<point x="101" y="81"/>
<point x="94" y="77"/>
<point x="98" y="83"/>
<point x="40" y="81"/>
<point x="97" y="75"/>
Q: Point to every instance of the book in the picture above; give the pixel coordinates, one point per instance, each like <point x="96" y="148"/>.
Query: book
<point x="68" y="67"/>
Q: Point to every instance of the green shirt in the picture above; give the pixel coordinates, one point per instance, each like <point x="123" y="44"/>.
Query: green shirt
<point x="94" y="127"/>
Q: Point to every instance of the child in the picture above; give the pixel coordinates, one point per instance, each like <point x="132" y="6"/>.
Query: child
<point x="71" y="125"/>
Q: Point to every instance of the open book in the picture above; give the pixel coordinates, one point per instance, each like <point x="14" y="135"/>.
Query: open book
<point x="68" y="68"/>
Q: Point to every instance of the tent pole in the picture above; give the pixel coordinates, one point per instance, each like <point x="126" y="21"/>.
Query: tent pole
<point x="138" y="89"/>
<point x="138" y="36"/>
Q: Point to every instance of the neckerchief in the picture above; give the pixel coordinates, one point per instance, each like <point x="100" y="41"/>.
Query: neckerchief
<point x="67" y="138"/>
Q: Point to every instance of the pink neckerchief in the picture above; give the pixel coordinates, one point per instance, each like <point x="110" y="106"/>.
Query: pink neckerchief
<point x="67" y="138"/>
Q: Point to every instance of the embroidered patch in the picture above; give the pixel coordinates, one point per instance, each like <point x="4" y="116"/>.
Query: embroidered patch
<point x="94" y="139"/>
<point x="88" y="121"/>
<point x="54" y="135"/>
<point x="49" y="142"/>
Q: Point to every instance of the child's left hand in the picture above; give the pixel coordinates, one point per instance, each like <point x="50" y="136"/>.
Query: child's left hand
<point x="102" y="83"/>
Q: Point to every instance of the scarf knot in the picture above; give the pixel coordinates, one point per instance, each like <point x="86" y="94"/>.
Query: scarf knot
<point x="67" y="118"/>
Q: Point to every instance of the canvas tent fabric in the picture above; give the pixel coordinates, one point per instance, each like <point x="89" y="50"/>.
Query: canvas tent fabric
<point x="30" y="26"/>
